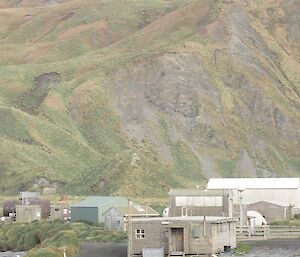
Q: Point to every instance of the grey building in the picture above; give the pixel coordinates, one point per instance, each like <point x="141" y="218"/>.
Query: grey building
<point x="282" y="190"/>
<point x="115" y="217"/>
<point x="92" y="208"/>
<point x="28" y="213"/>
<point x="196" y="235"/>
<point x="197" y="202"/>
<point x="271" y="211"/>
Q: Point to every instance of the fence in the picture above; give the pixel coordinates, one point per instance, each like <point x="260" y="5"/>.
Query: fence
<point x="267" y="232"/>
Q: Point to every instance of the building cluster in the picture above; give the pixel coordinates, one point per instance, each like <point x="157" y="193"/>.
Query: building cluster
<point x="31" y="206"/>
<point x="203" y="221"/>
<point x="196" y="221"/>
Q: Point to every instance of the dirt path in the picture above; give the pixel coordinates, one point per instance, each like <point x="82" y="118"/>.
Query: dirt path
<point x="102" y="250"/>
<point x="275" y="248"/>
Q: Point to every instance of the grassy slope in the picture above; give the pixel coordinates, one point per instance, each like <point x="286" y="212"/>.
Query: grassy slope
<point x="45" y="238"/>
<point x="75" y="137"/>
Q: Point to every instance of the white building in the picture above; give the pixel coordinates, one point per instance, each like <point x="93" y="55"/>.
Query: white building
<point x="282" y="191"/>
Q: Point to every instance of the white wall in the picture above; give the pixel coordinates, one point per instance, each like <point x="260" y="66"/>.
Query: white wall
<point x="277" y="196"/>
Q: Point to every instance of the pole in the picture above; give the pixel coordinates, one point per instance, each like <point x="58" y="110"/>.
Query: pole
<point x="241" y="208"/>
<point x="129" y="232"/>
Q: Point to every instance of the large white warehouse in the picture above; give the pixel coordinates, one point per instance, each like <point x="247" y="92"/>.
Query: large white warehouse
<point x="281" y="191"/>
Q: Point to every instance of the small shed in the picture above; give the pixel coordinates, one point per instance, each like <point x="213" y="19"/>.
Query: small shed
<point x="271" y="211"/>
<point x="115" y="216"/>
<point x="182" y="236"/>
<point x="59" y="212"/>
<point x="28" y="213"/>
<point x="92" y="208"/>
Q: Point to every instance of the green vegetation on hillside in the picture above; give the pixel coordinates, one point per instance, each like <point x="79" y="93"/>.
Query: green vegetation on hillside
<point x="50" y="238"/>
<point x="135" y="97"/>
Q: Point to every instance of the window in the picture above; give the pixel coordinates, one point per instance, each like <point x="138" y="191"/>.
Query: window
<point x="184" y="212"/>
<point x="118" y="222"/>
<point x="197" y="232"/>
<point x="139" y="233"/>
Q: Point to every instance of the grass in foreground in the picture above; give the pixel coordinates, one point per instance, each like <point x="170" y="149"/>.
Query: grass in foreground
<point x="242" y="249"/>
<point x="49" y="239"/>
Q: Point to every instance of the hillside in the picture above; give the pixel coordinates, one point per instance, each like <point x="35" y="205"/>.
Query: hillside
<point x="134" y="97"/>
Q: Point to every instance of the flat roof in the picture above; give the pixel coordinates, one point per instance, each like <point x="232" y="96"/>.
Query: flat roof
<point x="211" y="219"/>
<point x="253" y="183"/>
<point x="137" y="211"/>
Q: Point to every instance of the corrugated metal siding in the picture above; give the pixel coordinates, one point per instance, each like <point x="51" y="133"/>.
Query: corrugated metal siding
<point x="89" y="214"/>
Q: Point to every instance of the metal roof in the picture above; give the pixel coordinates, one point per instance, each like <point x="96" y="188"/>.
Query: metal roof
<point x="253" y="183"/>
<point x="278" y="203"/>
<point x="99" y="201"/>
<point x="196" y="192"/>
<point x="134" y="211"/>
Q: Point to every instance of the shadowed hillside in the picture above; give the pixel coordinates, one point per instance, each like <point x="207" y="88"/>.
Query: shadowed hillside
<point x="132" y="97"/>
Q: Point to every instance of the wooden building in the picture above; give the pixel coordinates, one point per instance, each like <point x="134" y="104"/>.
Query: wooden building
<point x="28" y="213"/>
<point x="197" y="202"/>
<point x="180" y="236"/>
<point x="59" y="212"/>
<point x="115" y="217"/>
<point x="271" y="211"/>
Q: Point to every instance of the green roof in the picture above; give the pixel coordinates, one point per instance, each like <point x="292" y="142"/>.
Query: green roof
<point x="100" y="201"/>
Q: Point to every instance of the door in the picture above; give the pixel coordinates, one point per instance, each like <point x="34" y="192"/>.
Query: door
<point x="177" y="239"/>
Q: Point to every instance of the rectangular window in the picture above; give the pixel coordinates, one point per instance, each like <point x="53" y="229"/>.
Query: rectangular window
<point x="139" y="233"/>
<point x="197" y="232"/>
<point x="184" y="212"/>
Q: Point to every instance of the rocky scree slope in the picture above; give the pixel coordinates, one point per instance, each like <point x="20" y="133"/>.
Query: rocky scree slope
<point x="124" y="97"/>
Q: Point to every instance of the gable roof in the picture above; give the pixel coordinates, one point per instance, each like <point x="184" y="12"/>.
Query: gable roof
<point x="253" y="183"/>
<point x="101" y="201"/>
<point x="277" y="203"/>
